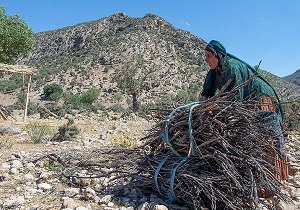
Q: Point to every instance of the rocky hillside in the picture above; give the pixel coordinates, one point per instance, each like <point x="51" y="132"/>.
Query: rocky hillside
<point x="294" y="78"/>
<point x="88" y="54"/>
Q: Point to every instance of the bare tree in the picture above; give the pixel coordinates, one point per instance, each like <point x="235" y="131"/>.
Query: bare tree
<point x="132" y="78"/>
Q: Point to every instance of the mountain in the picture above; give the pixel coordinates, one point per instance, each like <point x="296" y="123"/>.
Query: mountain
<point x="294" y="78"/>
<point x="85" y="55"/>
<point x="88" y="55"/>
<point x="287" y="90"/>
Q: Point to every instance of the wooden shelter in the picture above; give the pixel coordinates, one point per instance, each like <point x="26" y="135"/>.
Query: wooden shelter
<point x="24" y="70"/>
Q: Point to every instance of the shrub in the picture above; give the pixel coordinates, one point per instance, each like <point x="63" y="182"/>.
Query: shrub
<point x="124" y="140"/>
<point x="117" y="108"/>
<point x="38" y="131"/>
<point x="89" y="96"/>
<point x="117" y="96"/>
<point x="66" y="132"/>
<point x="72" y="99"/>
<point x="53" y="92"/>
<point x="182" y="96"/>
<point x="21" y="98"/>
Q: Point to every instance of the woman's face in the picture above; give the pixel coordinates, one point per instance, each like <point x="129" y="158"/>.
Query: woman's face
<point x="211" y="60"/>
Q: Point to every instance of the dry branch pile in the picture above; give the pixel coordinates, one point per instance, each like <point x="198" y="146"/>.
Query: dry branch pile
<point x="210" y="155"/>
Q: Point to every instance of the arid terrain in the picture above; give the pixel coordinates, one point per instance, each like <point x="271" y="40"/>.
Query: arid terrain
<point x="29" y="181"/>
<point x="16" y="145"/>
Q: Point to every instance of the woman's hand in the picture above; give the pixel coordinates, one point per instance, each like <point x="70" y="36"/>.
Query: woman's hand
<point x="203" y="98"/>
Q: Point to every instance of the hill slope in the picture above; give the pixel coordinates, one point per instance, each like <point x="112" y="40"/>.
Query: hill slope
<point x="294" y="78"/>
<point x="88" y="55"/>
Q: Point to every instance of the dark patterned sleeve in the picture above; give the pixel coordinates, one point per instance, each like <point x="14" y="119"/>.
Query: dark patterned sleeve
<point x="208" y="86"/>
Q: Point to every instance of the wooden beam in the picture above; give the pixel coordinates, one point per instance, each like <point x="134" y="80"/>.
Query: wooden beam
<point x="27" y="98"/>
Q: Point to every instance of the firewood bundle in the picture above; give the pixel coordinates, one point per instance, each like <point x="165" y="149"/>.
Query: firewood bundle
<point x="210" y="155"/>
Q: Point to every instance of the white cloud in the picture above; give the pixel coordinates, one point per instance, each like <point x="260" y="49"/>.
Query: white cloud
<point x="186" y="23"/>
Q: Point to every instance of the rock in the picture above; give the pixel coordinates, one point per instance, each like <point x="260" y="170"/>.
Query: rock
<point x="27" y="178"/>
<point x="44" y="186"/>
<point x="71" y="192"/>
<point x="106" y="199"/>
<point x="69" y="203"/>
<point x="9" y="129"/>
<point x="5" y="166"/>
<point x="13" y="202"/>
<point x="81" y="208"/>
<point x="16" y="164"/>
<point x="14" y="171"/>
<point x="88" y="194"/>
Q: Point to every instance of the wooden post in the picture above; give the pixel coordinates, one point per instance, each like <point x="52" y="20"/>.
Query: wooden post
<point x="27" y="97"/>
<point x="23" y="76"/>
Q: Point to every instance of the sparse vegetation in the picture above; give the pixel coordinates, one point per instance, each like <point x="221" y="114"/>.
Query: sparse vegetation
<point x="5" y="141"/>
<point x="66" y="132"/>
<point x="39" y="131"/>
<point x="125" y="140"/>
<point x="132" y="78"/>
<point x="292" y="116"/>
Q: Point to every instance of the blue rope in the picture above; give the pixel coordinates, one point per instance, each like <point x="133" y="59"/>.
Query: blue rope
<point x="191" y="129"/>
<point x="157" y="172"/>
<point x="165" y="135"/>
<point x="171" y="196"/>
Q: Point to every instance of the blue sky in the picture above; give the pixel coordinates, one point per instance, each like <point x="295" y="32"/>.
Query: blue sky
<point x="253" y="30"/>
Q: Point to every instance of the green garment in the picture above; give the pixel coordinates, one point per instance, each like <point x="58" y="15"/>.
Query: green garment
<point x="239" y="71"/>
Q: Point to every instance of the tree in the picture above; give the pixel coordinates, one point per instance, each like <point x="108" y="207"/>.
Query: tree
<point x="132" y="78"/>
<point x="16" y="38"/>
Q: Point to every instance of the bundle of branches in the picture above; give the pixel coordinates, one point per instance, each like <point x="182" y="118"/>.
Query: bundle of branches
<point x="215" y="154"/>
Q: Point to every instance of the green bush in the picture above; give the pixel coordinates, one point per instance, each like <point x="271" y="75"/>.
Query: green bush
<point x="118" y="96"/>
<point x="11" y="84"/>
<point x="72" y="99"/>
<point x="21" y="98"/>
<point x="53" y="92"/>
<point x="89" y="96"/>
<point x="182" y="96"/>
<point x="117" y="108"/>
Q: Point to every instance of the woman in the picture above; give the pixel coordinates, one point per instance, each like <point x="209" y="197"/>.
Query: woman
<point x="224" y="66"/>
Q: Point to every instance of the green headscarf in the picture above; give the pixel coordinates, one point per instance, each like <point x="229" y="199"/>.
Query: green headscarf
<point x="217" y="46"/>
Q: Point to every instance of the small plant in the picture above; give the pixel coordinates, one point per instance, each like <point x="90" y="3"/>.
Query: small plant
<point x="118" y="96"/>
<point x="124" y="140"/>
<point x="5" y="141"/>
<point x="53" y="165"/>
<point x="66" y="132"/>
<point x="117" y="108"/>
<point x="89" y="96"/>
<point x="38" y="131"/>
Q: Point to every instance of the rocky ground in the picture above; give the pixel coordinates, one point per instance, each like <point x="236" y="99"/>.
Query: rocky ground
<point x="29" y="181"/>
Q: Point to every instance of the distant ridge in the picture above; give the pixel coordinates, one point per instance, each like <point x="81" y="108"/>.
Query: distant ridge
<point x="294" y="78"/>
